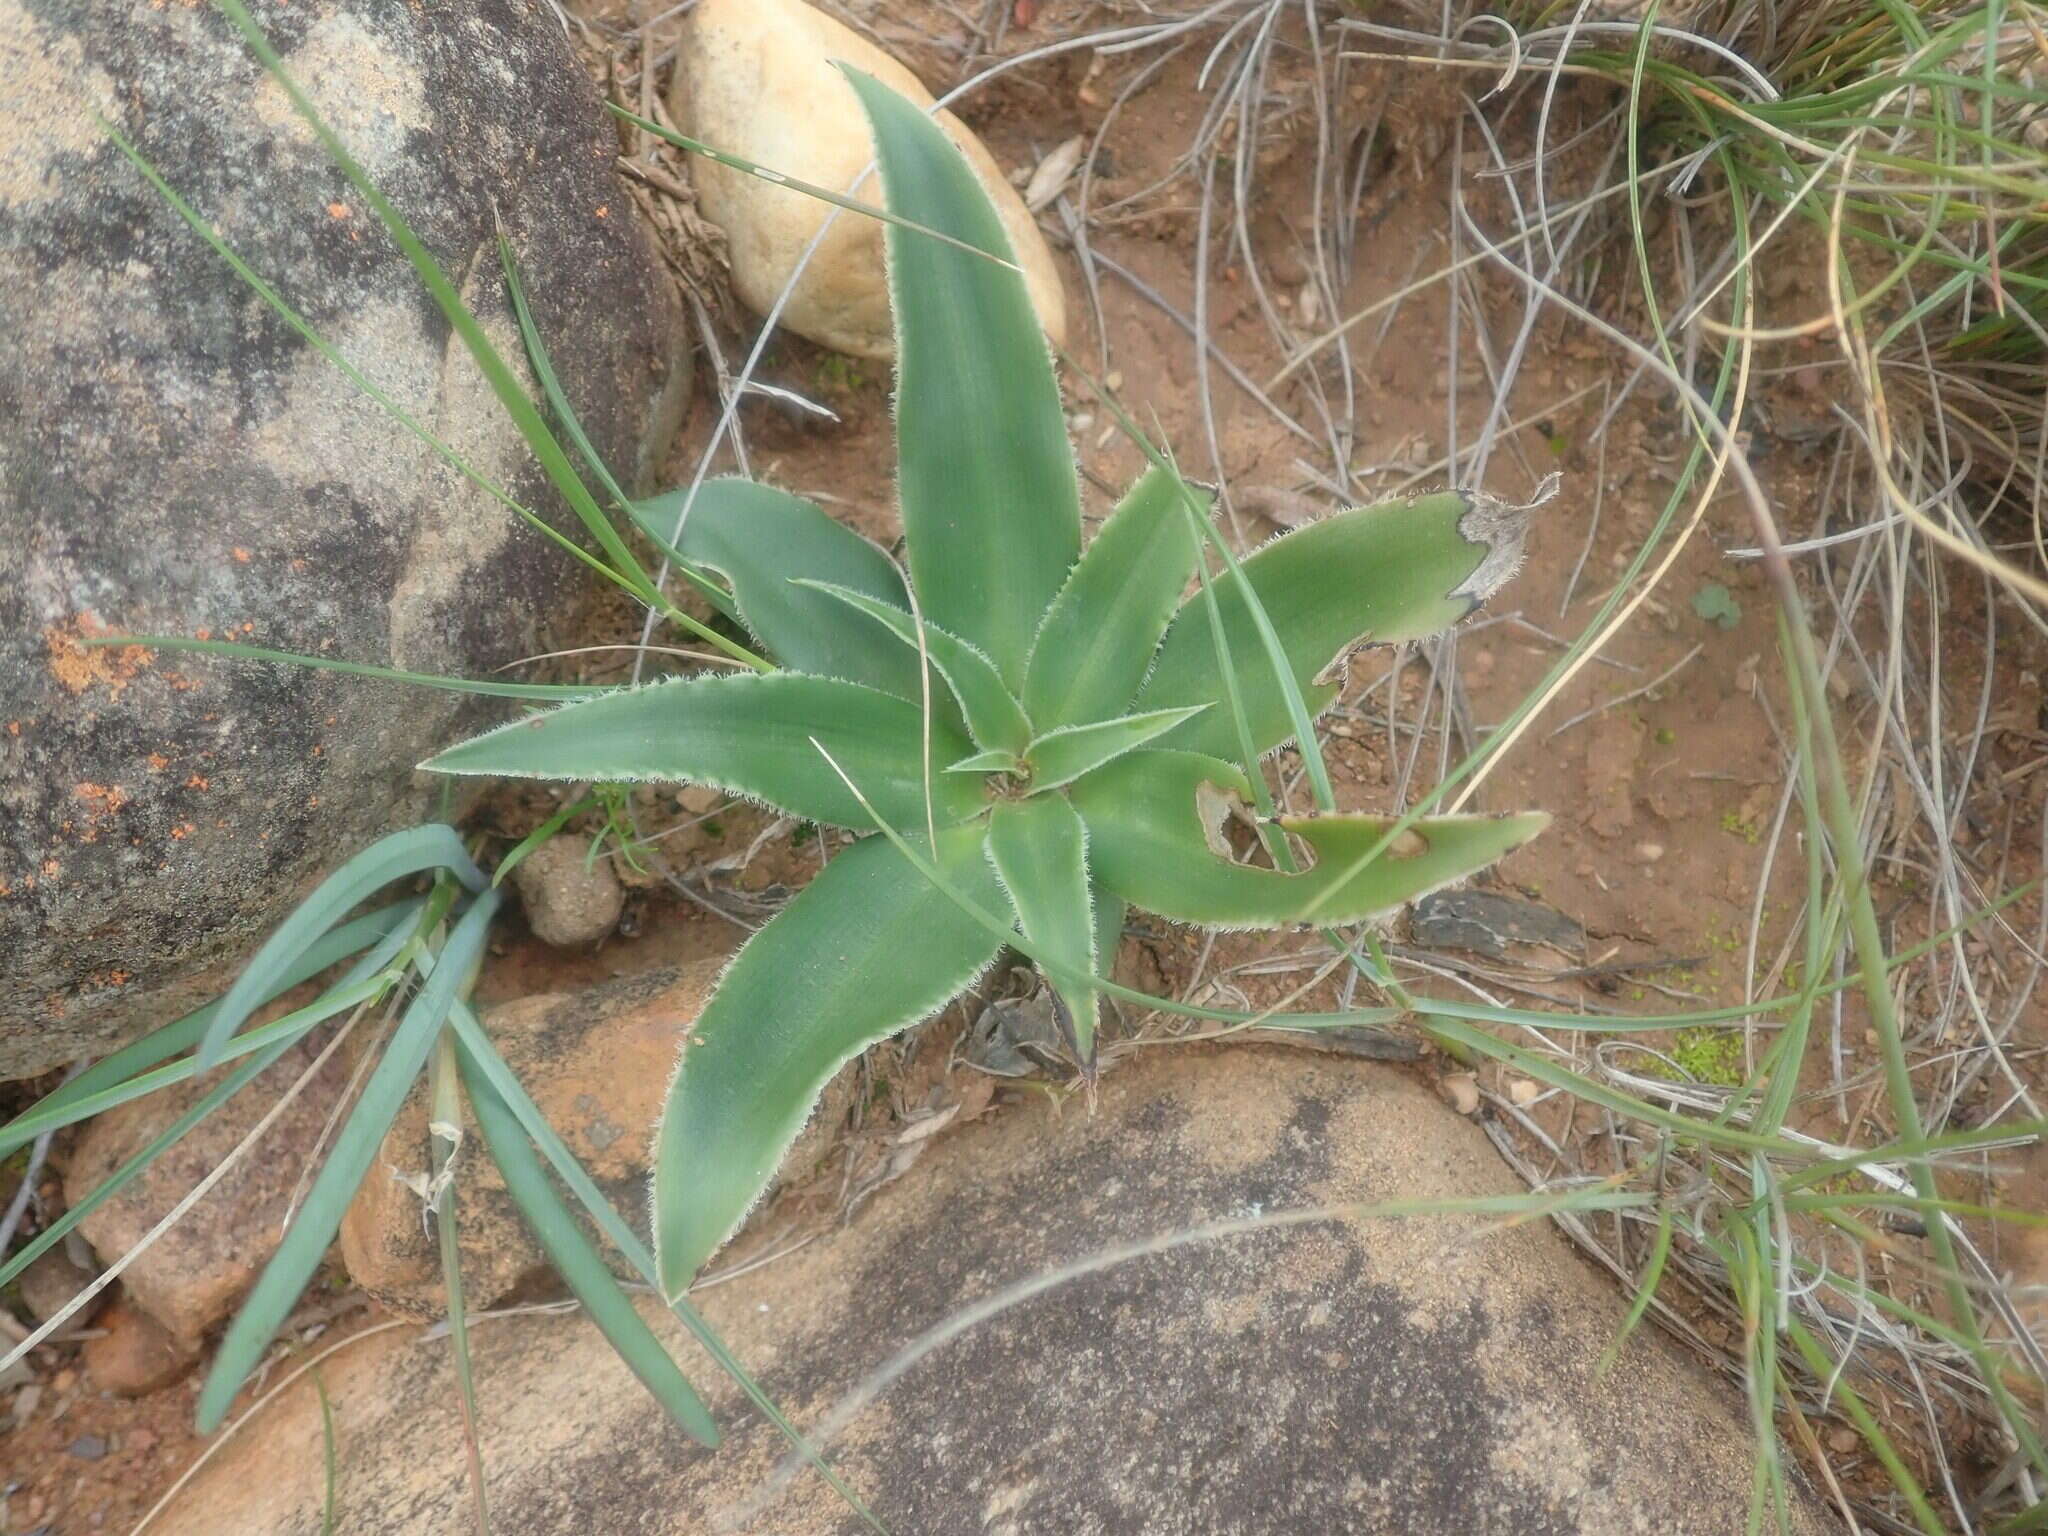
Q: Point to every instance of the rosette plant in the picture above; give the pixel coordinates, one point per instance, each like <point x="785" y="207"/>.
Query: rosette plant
<point x="1033" y="732"/>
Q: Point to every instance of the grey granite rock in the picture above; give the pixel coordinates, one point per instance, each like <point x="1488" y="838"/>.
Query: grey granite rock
<point x="175" y="458"/>
<point x="1371" y="1378"/>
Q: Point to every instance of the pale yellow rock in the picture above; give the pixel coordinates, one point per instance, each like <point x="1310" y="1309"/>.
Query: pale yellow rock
<point x="756" y="78"/>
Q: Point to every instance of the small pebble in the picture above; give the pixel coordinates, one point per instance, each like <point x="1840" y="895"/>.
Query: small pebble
<point x="1522" y="1091"/>
<point x="1462" y="1089"/>
<point x="1842" y="1440"/>
<point x="88" y="1447"/>
<point x="1113" y="380"/>
<point x="1649" y="853"/>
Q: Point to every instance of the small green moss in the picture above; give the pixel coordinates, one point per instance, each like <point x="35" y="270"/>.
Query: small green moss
<point x="1666" y="736"/>
<point x="1709" y="1055"/>
<point x="1733" y="824"/>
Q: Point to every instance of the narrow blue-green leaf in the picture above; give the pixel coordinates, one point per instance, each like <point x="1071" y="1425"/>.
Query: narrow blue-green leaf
<point x="761" y="539"/>
<point x="748" y="734"/>
<point x="577" y="1260"/>
<point x="390" y="858"/>
<point x="394" y="940"/>
<point x="866" y="949"/>
<point x="991" y="506"/>
<point x="504" y="384"/>
<point x="1148" y="842"/>
<point x="1061" y="756"/>
<point x="482" y="1055"/>
<point x="27" y="1126"/>
<point x="181" y="1035"/>
<point x="355" y="1149"/>
<point x="994" y="717"/>
<point x="1101" y="632"/>
<point x="1397" y="571"/>
<point x="1040" y="852"/>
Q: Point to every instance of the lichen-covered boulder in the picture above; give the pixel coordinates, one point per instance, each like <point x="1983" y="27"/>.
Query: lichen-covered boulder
<point x="1372" y="1377"/>
<point x="175" y="458"/>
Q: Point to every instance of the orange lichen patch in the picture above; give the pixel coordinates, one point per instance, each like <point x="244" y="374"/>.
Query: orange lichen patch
<point x="14" y="727"/>
<point x="298" y="564"/>
<point x="158" y="762"/>
<point x="604" y="210"/>
<point x="241" y="555"/>
<point x="78" y="666"/>
<point x="339" y="210"/>
<point x="181" y="831"/>
<point x="105" y="799"/>
<point x="197" y="781"/>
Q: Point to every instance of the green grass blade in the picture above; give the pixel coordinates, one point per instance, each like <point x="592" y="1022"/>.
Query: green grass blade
<point x="390" y="858"/>
<point x="549" y="691"/>
<point x="1148" y="843"/>
<point x="355" y="1149"/>
<point x="1062" y="756"/>
<point x="991" y="505"/>
<point x="866" y="949"/>
<point x="994" y="717"/>
<point x="761" y="539"/>
<point x="748" y="734"/>
<point x="504" y="384"/>
<point x="444" y="1100"/>
<point x="1397" y="571"/>
<point x="1102" y="630"/>
<point x="577" y="1260"/>
<point x="1040" y="851"/>
<point x="175" y="1038"/>
<point x="353" y="374"/>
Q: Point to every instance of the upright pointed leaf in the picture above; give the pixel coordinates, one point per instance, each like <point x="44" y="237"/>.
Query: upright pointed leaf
<point x="388" y="859"/>
<point x="1100" y="634"/>
<point x="761" y="540"/>
<point x="1059" y="757"/>
<point x="747" y="734"/>
<point x="994" y="717"/>
<point x="1391" y="572"/>
<point x="866" y="949"/>
<point x="577" y="1260"/>
<point x="1148" y="843"/>
<point x="355" y="1149"/>
<point x="1040" y="852"/>
<point x="991" y="506"/>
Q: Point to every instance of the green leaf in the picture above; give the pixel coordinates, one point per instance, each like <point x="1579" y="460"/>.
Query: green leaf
<point x="866" y="949"/>
<point x="761" y="540"/>
<point x="994" y="717"/>
<point x="1148" y="843"/>
<point x="1102" y="630"/>
<point x="388" y="859"/>
<point x="747" y="734"/>
<point x="355" y="1149"/>
<point x="1716" y="604"/>
<point x="577" y="1260"/>
<point x="394" y="938"/>
<point x="1397" y="571"/>
<point x="991" y="506"/>
<point x="988" y="762"/>
<point x="1061" y="756"/>
<point x="483" y="1056"/>
<point x="1040" y="852"/>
